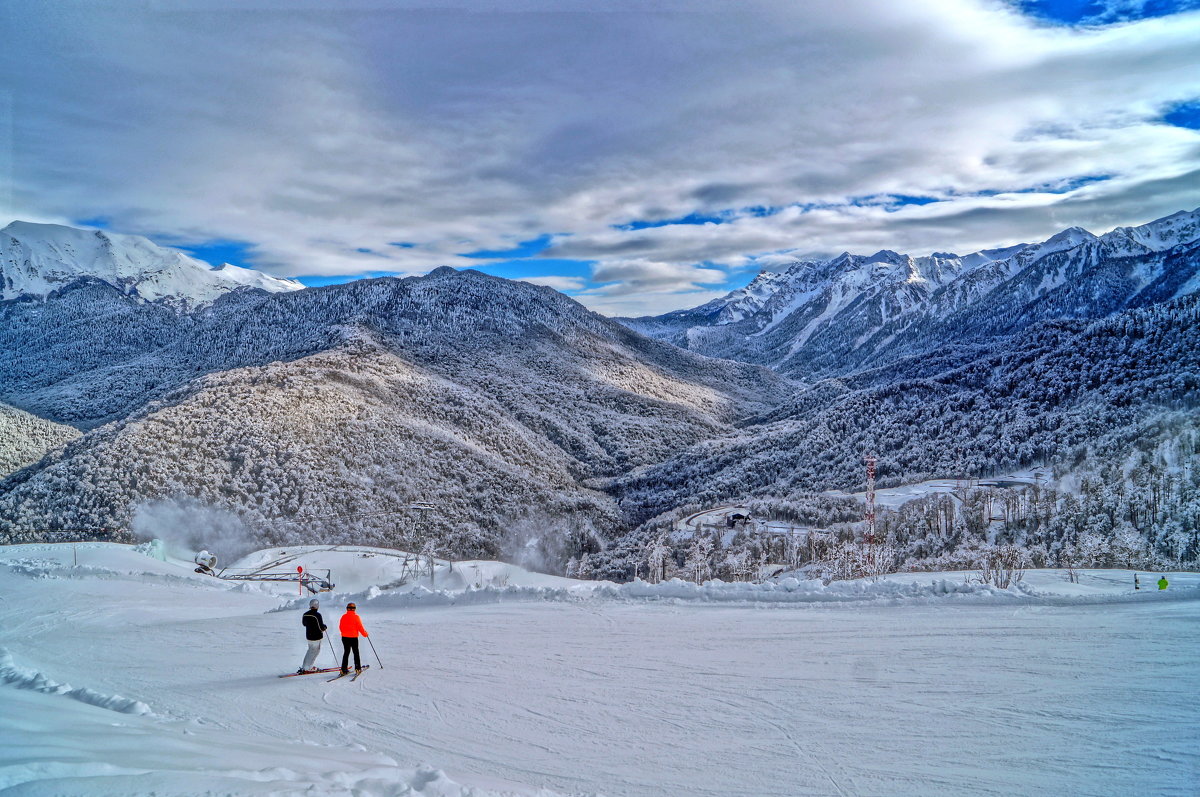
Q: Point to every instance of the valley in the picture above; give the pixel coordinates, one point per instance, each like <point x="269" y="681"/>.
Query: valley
<point x="543" y="432"/>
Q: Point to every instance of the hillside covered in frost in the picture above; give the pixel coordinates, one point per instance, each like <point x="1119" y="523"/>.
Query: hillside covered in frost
<point x="1113" y="402"/>
<point x="495" y="400"/>
<point x="541" y="431"/>
<point x="25" y="438"/>
<point x="1076" y="355"/>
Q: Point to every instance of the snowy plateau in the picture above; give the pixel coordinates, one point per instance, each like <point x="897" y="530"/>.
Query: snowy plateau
<point x="123" y="672"/>
<point x="647" y="569"/>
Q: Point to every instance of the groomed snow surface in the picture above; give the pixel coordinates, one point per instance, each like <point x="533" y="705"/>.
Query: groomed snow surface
<point x="127" y="674"/>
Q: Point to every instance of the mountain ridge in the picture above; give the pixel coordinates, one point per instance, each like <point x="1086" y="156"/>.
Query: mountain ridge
<point x="821" y="318"/>
<point x="494" y="398"/>
<point x="536" y="424"/>
<point x="37" y="259"/>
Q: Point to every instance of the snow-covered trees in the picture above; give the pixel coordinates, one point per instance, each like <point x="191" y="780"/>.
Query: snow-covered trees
<point x="546" y="434"/>
<point x="25" y="438"/>
<point x="1066" y="393"/>
<point x="656" y="559"/>
<point x="338" y="406"/>
<point x="699" y="560"/>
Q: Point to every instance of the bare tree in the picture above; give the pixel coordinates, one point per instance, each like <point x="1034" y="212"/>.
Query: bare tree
<point x="1068" y="562"/>
<point x="1001" y="565"/>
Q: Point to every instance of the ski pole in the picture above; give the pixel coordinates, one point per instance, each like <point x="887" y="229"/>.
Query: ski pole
<point x="372" y="644"/>
<point x="331" y="650"/>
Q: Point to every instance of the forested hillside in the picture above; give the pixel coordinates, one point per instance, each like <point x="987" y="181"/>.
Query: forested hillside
<point x="486" y="397"/>
<point x="341" y="439"/>
<point x="25" y="438"/>
<point x="539" y="429"/>
<point x="1097" y="399"/>
<point x="88" y="354"/>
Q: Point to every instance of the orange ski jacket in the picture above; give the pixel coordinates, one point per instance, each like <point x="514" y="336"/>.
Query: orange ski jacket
<point x="351" y="625"/>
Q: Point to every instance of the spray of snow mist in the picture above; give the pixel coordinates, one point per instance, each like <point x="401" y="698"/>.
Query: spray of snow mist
<point x="187" y="526"/>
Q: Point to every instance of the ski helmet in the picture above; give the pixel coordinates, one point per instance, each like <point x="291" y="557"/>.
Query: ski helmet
<point x="314" y="603"/>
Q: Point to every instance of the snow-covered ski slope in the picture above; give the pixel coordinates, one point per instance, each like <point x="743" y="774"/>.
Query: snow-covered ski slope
<point x="128" y="675"/>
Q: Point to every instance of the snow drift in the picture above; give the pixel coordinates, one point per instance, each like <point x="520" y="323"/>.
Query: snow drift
<point x="23" y="678"/>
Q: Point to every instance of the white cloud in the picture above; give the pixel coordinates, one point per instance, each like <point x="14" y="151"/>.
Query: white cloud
<point x="644" y="304"/>
<point x="558" y="283"/>
<point x="773" y="261"/>
<point x="354" y="125"/>
<point x="626" y="277"/>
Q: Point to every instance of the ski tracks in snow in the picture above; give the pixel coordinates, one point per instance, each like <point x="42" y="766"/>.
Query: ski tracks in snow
<point x="951" y="697"/>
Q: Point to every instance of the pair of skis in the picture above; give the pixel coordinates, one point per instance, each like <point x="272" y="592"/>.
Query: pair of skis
<point x="324" y="670"/>
<point x="353" y="677"/>
<point x="310" y="672"/>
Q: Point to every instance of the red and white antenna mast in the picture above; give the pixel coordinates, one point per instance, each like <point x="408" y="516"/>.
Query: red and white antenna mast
<point x="870" y="513"/>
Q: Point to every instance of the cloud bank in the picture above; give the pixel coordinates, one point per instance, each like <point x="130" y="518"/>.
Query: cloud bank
<point x="325" y="135"/>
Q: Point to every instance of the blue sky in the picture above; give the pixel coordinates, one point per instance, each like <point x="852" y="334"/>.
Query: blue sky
<point x="641" y="162"/>
<point x="1102" y="12"/>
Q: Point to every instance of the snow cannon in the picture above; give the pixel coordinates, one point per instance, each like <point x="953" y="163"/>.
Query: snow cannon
<point x="206" y="563"/>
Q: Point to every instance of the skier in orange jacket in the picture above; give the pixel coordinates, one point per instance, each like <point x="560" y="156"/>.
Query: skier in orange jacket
<point x="351" y="626"/>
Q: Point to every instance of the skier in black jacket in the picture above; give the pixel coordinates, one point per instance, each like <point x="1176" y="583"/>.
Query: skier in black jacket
<point x="314" y="631"/>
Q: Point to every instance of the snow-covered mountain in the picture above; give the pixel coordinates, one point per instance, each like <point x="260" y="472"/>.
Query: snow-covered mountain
<point x="495" y="399"/>
<point x="529" y="420"/>
<point x="1114" y="403"/>
<point x="1026" y="400"/>
<point x="826" y="318"/>
<point x="36" y="259"/>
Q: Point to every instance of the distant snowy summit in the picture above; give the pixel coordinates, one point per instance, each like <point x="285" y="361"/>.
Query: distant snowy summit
<point x="779" y="292"/>
<point x="37" y="259"/>
<point x="819" y="318"/>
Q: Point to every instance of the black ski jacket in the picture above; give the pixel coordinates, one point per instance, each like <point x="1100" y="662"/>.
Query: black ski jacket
<point x="314" y="626"/>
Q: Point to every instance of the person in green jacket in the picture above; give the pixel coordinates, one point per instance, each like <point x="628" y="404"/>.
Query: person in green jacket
<point x="1162" y="583"/>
